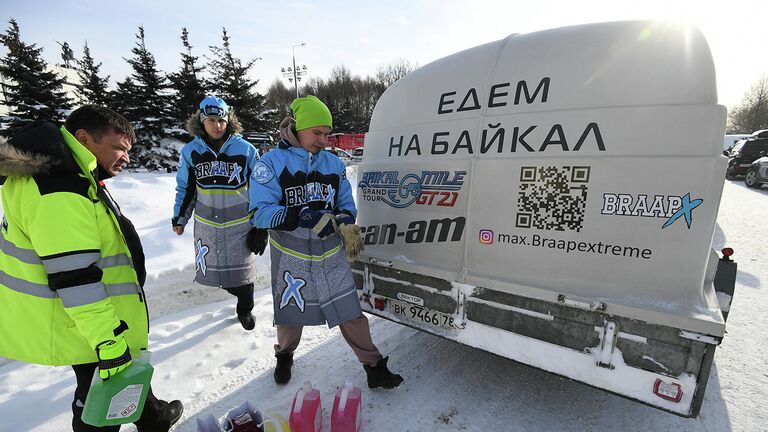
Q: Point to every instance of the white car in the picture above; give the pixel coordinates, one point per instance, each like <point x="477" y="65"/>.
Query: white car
<point x="757" y="175"/>
<point x="357" y="155"/>
<point x="342" y="154"/>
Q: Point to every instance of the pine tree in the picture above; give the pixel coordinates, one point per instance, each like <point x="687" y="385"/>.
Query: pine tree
<point x="142" y="98"/>
<point x="186" y="83"/>
<point x="92" y="88"/>
<point x="34" y="92"/>
<point x="126" y="99"/>
<point x="229" y="80"/>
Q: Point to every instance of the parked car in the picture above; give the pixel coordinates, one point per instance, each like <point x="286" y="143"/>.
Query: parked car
<point x="741" y="160"/>
<point x="342" y="154"/>
<point x="758" y="172"/>
<point x="261" y="140"/>
<point x="736" y="148"/>
<point x="357" y="155"/>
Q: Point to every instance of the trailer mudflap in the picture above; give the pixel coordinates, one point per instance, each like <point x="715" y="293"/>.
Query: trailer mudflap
<point x="725" y="281"/>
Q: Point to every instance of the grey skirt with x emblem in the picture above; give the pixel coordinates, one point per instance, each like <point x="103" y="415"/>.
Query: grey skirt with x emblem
<point x="311" y="279"/>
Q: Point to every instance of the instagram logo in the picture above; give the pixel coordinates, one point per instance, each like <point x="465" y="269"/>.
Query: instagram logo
<point x="486" y="236"/>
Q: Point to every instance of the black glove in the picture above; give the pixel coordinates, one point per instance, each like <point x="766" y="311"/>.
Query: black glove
<point x="256" y="241"/>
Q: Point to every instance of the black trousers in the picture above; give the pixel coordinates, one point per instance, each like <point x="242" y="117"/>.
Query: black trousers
<point x="244" y="296"/>
<point x="153" y="407"/>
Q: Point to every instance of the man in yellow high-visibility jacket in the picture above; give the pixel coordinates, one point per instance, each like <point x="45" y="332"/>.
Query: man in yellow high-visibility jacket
<point x="71" y="264"/>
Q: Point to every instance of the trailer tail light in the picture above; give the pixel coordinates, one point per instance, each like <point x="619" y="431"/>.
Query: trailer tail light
<point x="669" y="391"/>
<point x="727" y="252"/>
<point x="379" y="303"/>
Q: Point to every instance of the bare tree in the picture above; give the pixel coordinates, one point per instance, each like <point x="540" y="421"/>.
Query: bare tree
<point x="277" y="101"/>
<point x="387" y="75"/>
<point x="350" y="97"/>
<point x="752" y="113"/>
<point x="279" y="96"/>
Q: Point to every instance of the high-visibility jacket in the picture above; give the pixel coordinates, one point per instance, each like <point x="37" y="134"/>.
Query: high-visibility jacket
<point x="71" y="265"/>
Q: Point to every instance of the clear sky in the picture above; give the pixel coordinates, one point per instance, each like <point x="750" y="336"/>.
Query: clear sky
<point x="364" y="35"/>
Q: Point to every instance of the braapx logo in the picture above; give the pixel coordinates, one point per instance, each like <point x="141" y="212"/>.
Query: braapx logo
<point x="231" y="170"/>
<point x="310" y="192"/>
<point x="669" y="207"/>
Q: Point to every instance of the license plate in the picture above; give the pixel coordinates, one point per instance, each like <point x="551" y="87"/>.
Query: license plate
<point x="420" y="314"/>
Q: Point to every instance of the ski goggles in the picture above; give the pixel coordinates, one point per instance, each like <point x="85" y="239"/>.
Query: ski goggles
<point x="213" y="111"/>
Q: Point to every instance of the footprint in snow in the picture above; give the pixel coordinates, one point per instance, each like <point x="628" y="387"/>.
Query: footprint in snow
<point x="234" y="363"/>
<point x="172" y="327"/>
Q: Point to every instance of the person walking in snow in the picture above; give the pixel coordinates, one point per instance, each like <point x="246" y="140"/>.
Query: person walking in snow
<point x="300" y="192"/>
<point x="212" y="181"/>
<point x="72" y="263"/>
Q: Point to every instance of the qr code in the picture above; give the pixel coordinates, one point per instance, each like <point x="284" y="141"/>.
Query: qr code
<point x="552" y="198"/>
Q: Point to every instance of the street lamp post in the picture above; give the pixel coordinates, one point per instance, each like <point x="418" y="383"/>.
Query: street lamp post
<point x="294" y="73"/>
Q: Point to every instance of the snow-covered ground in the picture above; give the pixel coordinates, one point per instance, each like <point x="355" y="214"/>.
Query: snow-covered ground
<point x="203" y="357"/>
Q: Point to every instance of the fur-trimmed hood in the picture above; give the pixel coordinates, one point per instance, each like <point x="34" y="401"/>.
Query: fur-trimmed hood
<point x="35" y="149"/>
<point x="195" y="126"/>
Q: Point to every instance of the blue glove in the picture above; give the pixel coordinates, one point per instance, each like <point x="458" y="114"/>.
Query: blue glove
<point x="344" y="219"/>
<point x="321" y="222"/>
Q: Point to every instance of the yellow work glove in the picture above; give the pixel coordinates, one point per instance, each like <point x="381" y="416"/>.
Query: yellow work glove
<point x="353" y="240"/>
<point x="114" y="357"/>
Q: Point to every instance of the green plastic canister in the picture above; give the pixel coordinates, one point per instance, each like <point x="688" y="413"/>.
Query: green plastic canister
<point x="120" y="399"/>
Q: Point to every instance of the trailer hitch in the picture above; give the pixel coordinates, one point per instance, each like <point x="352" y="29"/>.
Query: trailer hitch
<point x="608" y="336"/>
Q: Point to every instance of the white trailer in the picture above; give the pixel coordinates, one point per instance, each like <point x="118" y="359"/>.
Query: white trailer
<point x="551" y="197"/>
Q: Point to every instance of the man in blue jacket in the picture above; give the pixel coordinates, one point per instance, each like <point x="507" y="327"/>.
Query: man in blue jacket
<point x="300" y="192"/>
<point x="212" y="180"/>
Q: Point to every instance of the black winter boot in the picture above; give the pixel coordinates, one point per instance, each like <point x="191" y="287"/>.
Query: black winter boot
<point x="283" y="368"/>
<point x="247" y="321"/>
<point x="380" y="376"/>
<point x="170" y="413"/>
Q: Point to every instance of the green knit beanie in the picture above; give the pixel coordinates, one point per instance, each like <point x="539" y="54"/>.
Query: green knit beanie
<point x="310" y="111"/>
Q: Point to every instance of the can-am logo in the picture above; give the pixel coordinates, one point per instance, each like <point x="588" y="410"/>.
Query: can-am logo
<point x="431" y="231"/>
<point x="669" y="207"/>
